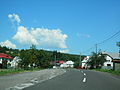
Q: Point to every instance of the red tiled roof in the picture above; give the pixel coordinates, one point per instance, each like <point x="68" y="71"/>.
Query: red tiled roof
<point x="61" y="62"/>
<point x="2" y="55"/>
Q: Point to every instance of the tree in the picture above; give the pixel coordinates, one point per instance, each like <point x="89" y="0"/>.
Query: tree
<point x="33" y="47"/>
<point x="97" y="60"/>
<point x="24" y="55"/>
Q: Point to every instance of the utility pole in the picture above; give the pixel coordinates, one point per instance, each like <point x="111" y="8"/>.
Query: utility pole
<point x="96" y="56"/>
<point x="80" y="60"/>
<point x="96" y="48"/>
<point x="54" y="55"/>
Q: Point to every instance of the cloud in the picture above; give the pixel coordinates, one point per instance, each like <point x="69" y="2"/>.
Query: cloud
<point x="83" y="35"/>
<point x="14" y="18"/>
<point x="23" y="36"/>
<point x="42" y="37"/>
<point x="8" y="43"/>
<point x="64" y="51"/>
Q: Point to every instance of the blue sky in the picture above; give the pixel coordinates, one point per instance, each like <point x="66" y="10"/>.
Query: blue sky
<point x="71" y="26"/>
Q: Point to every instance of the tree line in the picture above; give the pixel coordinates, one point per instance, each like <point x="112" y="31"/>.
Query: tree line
<point x="32" y="58"/>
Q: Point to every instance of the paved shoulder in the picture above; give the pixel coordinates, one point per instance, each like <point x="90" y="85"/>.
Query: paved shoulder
<point x="20" y="81"/>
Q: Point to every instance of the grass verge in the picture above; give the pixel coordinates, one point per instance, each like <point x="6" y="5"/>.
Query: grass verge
<point x="15" y="71"/>
<point x="109" y="71"/>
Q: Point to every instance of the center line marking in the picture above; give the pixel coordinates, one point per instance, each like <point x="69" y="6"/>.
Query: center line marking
<point x="84" y="74"/>
<point x="84" y="80"/>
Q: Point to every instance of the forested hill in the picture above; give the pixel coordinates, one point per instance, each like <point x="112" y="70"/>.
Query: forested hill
<point x="9" y="51"/>
<point x="40" y="57"/>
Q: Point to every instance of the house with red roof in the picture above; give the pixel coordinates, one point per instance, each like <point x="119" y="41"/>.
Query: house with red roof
<point x="4" y="58"/>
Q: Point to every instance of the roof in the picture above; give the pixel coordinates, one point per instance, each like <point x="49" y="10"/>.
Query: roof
<point x="114" y="55"/>
<point x="116" y="60"/>
<point x="84" y="61"/>
<point x="61" y="62"/>
<point x="69" y="62"/>
<point x="2" y="55"/>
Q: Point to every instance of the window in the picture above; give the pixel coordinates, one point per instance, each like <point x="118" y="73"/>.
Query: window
<point x="108" y="64"/>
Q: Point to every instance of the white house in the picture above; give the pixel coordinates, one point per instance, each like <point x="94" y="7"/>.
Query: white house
<point x="67" y="64"/>
<point x="84" y="62"/>
<point x="14" y="62"/>
<point x="109" y="57"/>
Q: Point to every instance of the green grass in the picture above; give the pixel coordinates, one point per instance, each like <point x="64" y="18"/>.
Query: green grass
<point x="109" y="71"/>
<point x="15" y="71"/>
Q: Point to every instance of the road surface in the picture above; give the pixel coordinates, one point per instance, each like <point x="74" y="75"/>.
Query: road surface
<point x="75" y="79"/>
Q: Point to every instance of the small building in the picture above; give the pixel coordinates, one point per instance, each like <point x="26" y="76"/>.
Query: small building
<point x="70" y="64"/>
<point x="67" y="64"/>
<point x="116" y="64"/>
<point x="110" y="56"/>
<point x="14" y="62"/>
<point x="4" y="59"/>
<point x="84" y="62"/>
<point x="63" y="64"/>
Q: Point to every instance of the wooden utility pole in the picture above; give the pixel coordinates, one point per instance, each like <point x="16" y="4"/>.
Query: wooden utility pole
<point x="96" y="56"/>
<point x="96" y="48"/>
<point x="80" y="60"/>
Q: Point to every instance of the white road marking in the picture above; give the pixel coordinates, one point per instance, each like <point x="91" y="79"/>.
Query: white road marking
<point x="84" y="80"/>
<point x="84" y="74"/>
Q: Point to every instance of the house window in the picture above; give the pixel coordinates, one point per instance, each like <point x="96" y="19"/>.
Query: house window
<point x="108" y="60"/>
<point x="108" y="64"/>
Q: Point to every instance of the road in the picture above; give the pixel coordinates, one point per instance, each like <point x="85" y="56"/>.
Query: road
<point x="75" y="79"/>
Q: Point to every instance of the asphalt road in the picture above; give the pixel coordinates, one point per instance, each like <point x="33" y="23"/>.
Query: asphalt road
<point x="79" y="80"/>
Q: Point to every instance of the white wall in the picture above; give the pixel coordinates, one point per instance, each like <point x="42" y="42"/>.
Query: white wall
<point x="109" y="61"/>
<point x="108" y="64"/>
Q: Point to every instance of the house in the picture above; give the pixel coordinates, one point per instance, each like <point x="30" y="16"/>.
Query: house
<point x="109" y="59"/>
<point x="70" y="64"/>
<point x="67" y="64"/>
<point x="14" y="62"/>
<point x="84" y="62"/>
<point x="4" y="59"/>
<point x="63" y="64"/>
<point x="57" y="64"/>
<point x="116" y="64"/>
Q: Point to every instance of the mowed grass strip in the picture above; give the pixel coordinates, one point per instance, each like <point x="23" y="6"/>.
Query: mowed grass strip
<point x="109" y="71"/>
<point x="10" y="71"/>
<point x="15" y="71"/>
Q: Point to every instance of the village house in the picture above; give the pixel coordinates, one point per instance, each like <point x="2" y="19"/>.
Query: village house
<point x="4" y="59"/>
<point x="63" y="64"/>
<point x="14" y="62"/>
<point x="116" y="64"/>
<point x="109" y="59"/>
<point x="85" y="62"/>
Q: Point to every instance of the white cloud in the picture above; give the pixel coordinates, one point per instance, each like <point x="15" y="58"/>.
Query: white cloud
<point x="64" y="51"/>
<point x="42" y="37"/>
<point x="83" y="35"/>
<point x="24" y="37"/>
<point x="14" y="17"/>
<point x="8" y="43"/>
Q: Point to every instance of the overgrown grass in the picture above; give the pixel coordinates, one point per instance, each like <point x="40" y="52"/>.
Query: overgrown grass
<point x="15" y="71"/>
<point x="109" y="71"/>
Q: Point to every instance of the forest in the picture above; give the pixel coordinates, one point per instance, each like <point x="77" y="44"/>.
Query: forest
<point x="33" y="57"/>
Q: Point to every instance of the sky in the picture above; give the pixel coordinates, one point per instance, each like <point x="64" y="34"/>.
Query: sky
<point x="68" y="26"/>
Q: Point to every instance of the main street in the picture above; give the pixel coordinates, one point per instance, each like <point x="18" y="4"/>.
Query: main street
<point x="75" y="79"/>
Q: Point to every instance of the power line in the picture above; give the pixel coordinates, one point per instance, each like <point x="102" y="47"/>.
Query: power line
<point x="109" y="38"/>
<point x="116" y="34"/>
